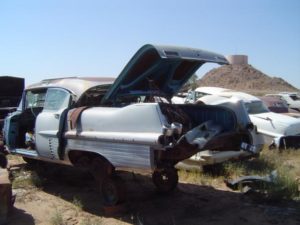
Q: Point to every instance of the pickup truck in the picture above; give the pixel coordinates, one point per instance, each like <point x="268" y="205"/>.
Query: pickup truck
<point x="127" y="123"/>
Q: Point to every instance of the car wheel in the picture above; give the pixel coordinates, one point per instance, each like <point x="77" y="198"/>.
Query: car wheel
<point x="100" y="169"/>
<point x="113" y="190"/>
<point x="165" y="180"/>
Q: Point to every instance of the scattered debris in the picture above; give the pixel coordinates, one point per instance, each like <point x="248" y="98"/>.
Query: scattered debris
<point x="252" y="183"/>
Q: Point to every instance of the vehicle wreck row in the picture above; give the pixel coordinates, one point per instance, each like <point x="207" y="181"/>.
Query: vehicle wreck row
<point x="107" y="124"/>
<point x="278" y="130"/>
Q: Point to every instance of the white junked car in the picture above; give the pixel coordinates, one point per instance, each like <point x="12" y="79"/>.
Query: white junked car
<point x="105" y="124"/>
<point x="212" y="157"/>
<point x="291" y="98"/>
<point x="279" y="130"/>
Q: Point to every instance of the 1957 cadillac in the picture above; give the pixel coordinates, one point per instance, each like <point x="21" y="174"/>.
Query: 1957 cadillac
<point x="106" y="125"/>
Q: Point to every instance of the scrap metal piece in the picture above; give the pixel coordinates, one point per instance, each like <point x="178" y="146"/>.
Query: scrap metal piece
<point x="252" y="182"/>
<point x="201" y="134"/>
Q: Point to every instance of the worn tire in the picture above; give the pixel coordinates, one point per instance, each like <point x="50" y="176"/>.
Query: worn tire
<point x="100" y="169"/>
<point x="165" y="180"/>
<point x="113" y="190"/>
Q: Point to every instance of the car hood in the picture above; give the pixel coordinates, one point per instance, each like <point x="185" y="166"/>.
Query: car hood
<point x="276" y="117"/>
<point x="159" y="71"/>
<point x="275" y="124"/>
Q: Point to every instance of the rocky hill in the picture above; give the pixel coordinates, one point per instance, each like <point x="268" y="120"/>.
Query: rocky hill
<point x="244" y="78"/>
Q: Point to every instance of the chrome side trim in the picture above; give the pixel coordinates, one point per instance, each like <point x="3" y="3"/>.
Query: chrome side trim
<point x="119" y="154"/>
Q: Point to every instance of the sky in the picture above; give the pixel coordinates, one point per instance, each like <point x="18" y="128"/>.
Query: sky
<point x="62" y="38"/>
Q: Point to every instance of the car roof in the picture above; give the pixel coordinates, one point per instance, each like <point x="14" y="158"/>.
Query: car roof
<point x="241" y="95"/>
<point x="77" y="85"/>
<point x="288" y="93"/>
<point x="211" y="90"/>
<point x="271" y="99"/>
<point x="228" y="93"/>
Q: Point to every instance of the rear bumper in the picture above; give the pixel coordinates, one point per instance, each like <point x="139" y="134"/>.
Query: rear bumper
<point x="210" y="157"/>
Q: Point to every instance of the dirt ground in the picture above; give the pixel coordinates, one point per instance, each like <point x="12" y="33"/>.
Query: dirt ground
<point x="69" y="197"/>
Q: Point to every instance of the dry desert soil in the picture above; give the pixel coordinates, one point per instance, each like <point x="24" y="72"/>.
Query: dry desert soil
<point x="64" y="196"/>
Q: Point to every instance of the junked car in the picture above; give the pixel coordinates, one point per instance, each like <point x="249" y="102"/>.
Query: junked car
<point x="106" y="125"/>
<point x="291" y="98"/>
<point x="208" y="158"/>
<point x="279" y="130"/>
<point x="277" y="105"/>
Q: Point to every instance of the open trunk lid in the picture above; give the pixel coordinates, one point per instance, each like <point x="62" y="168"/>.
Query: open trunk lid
<point x="159" y="71"/>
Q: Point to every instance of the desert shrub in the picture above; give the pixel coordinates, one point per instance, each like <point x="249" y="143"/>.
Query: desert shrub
<point x="26" y="179"/>
<point x="78" y="203"/>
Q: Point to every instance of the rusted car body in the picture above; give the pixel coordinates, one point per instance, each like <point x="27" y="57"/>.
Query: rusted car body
<point x="106" y="125"/>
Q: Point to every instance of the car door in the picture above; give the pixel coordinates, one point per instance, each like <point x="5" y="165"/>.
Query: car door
<point x="50" y="123"/>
